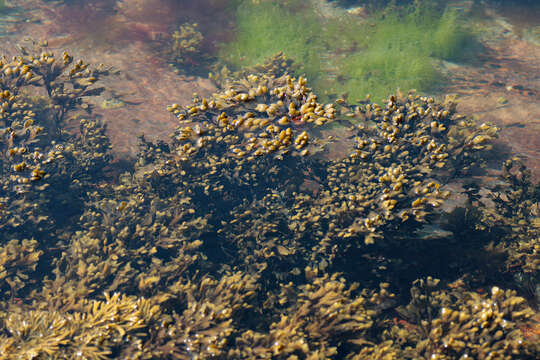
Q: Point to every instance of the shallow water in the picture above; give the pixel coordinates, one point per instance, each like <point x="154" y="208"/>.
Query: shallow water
<point x="218" y="234"/>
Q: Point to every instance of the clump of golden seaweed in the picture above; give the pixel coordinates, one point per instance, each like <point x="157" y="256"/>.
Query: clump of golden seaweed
<point x="94" y="331"/>
<point x="18" y="259"/>
<point x="184" y="47"/>
<point x="513" y="224"/>
<point x="275" y="66"/>
<point x="257" y="115"/>
<point x="316" y="319"/>
<point x="40" y="159"/>
<point x="240" y="238"/>
<point x="458" y="324"/>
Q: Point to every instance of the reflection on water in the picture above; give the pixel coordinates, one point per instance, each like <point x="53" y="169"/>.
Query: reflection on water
<point x="254" y="179"/>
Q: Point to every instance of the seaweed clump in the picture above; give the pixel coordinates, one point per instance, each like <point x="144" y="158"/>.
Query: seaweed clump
<point x="317" y="319"/>
<point x="95" y="331"/>
<point x="405" y="152"/>
<point x="243" y="238"/>
<point x="512" y="224"/>
<point x="183" y="49"/>
<point x="459" y="324"/>
<point x="39" y="158"/>
<point x="276" y="66"/>
<point x="35" y="147"/>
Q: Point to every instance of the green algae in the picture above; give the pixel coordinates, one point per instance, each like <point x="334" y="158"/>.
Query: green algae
<point x="3" y="7"/>
<point x="267" y="28"/>
<point x="398" y="47"/>
<point x="403" y="52"/>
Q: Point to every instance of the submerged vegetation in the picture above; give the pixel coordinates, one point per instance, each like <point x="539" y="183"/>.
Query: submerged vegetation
<point x="396" y="47"/>
<point x="402" y="51"/>
<point x="273" y="223"/>
<point x="183" y="49"/>
<point x="242" y="238"/>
